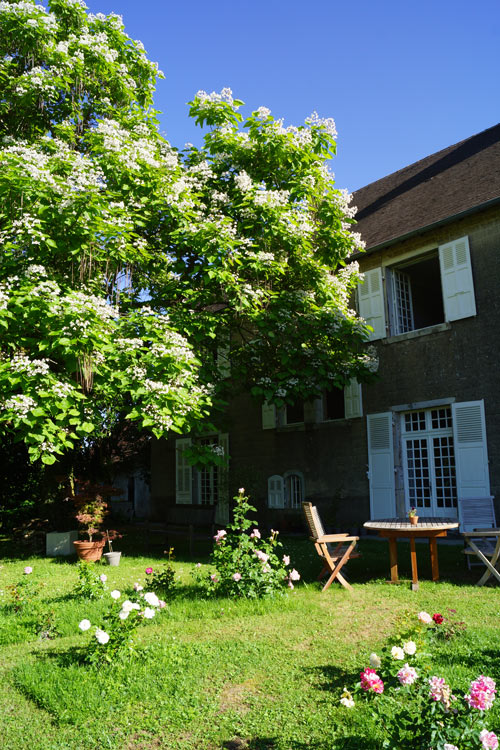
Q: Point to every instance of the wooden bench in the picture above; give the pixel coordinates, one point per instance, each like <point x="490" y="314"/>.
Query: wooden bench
<point x="189" y="521"/>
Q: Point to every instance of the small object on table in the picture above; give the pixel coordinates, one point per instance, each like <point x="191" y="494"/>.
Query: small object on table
<point x="430" y="528"/>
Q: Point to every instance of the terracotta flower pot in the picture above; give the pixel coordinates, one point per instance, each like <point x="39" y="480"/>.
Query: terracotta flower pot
<point x="414" y="520"/>
<point x="89" y="551"/>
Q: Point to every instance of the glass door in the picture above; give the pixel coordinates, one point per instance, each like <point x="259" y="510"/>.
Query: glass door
<point x="429" y="462"/>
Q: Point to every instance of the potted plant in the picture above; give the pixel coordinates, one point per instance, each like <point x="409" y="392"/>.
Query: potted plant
<point x="412" y="515"/>
<point x="91" y="509"/>
<point x="111" y="556"/>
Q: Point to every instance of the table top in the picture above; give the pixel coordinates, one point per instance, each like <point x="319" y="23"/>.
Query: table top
<point x="402" y="524"/>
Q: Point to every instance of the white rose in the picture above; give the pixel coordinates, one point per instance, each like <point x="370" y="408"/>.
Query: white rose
<point x="410" y="647"/>
<point x="397" y="652"/>
<point x="115" y="594"/>
<point x="84" y="625"/>
<point x="375" y="661"/>
<point x="101" y="636"/>
<point x="127" y="605"/>
<point x="123" y="614"/>
<point x="149" y="613"/>
<point x="152" y="599"/>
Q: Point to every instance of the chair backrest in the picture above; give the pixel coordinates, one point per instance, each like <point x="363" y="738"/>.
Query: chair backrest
<point x="476" y="513"/>
<point x="313" y="520"/>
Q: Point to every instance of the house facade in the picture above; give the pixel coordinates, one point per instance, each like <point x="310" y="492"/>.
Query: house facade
<point x="428" y="430"/>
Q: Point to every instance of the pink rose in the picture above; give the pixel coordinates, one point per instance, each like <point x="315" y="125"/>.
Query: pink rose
<point x="149" y="571"/>
<point x="286" y="560"/>
<point x="424" y="617"/>
<point x="255" y="534"/>
<point x="237" y="577"/>
<point x="28" y="569"/>
<point x="220" y="536"/>
<point x="294" y="575"/>
<point x="489" y="740"/>
<point x="371" y="681"/>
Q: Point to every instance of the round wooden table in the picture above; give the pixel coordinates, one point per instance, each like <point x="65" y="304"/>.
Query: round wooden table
<point x="430" y="528"/>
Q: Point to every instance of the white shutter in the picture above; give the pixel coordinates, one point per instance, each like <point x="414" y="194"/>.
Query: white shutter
<point x="222" y="510"/>
<point x="456" y="280"/>
<point x="471" y="453"/>
<point x="268" y="416"/>
<point x="224" y="360"/>
<point x="352" y="400"/>
<point x="183" y="473"/>
<point x="371" y="302"/>
<point x="381" y="466"/>
<point x="276" y="491"/>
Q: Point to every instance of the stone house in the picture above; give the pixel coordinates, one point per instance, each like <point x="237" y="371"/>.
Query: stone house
<point x="428" y="431"/>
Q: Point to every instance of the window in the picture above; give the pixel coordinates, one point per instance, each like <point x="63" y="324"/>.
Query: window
<point x="285" y="491"/>
<point x="294" y="413"/>
<point x="429" y="461"/>
<point x="414" y="291"/>
<point x="427" y="458"/>
<point x="206" y="485"/>
<point x="343" y="403"/>
<point x="419" y="293"/>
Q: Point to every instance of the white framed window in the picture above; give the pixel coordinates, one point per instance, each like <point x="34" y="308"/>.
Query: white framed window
<point x="429" y="461"/>
<point x="286" y="491"/>
<point x="432" y="455"/>
<point x="205" y="485"/>
<point x="420" y="292"/>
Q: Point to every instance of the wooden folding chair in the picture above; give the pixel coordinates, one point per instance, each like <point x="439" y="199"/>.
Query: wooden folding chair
<point x="485" y="545"/>
<point x="476" y="514"/>
<point x="333" y="549"/>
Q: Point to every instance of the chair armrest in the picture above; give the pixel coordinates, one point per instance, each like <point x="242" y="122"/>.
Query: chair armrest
<point x="336" y="538"/>
<point x="481" y="532"/>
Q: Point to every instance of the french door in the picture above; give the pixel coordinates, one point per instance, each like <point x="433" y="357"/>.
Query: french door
<point x="429" y="462"/>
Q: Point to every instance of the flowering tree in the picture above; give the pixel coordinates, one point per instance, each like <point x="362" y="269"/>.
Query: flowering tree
<point x="127" y="266"/>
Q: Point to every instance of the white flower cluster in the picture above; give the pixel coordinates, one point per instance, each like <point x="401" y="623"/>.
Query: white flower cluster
<point x="272" y="198"/>
<point x="206" y="100"/>
<point x="4" y="297"/>
<point x="128" y="344"/>
<point x="326" y="123"/>
<point x="35" y="270"/>
<point x="262" y="113"/>
<point x="37" y="80"/>
<point x="132" y="152"/>
<point x="243" y="181"/>
<point x="98" y="44"/>
<point x="21" y="405"/>
<point x="32" y="367"/>
<point x="61" y="389"/>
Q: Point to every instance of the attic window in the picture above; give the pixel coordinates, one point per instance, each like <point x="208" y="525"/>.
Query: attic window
<point x="415" y="295"/>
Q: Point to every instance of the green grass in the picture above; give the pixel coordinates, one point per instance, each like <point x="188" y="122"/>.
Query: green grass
<point x="224" y="673"/>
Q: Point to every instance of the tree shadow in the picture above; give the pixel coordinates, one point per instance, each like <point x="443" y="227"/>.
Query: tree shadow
<point x="348" y="742"/>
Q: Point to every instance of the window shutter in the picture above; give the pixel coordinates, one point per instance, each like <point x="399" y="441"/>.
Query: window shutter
<point x="456" y="280"/>
<point x="222" y="510"/>
<point x="276" y="491"/>
<point x="224" y="360"/>
<point x="268" y="416"/>
<point x="371" y="302"/>
<point x="352" y="400"/>
<point x="381" y="466"/>
<point x="471" y="453"/>
<point x="183" y="473"/>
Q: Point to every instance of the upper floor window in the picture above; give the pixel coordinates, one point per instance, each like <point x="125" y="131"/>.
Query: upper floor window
<point x="420" y="292"/>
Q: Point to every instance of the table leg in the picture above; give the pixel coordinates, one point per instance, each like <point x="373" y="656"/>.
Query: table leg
<point x="414" y="571"/>
<point x="434" y="558"/>
<point x="393" y="557"/>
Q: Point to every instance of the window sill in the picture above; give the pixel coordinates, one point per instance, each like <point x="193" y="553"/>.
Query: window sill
<point x="418" y="333"/>
<point x="294" y="427"/>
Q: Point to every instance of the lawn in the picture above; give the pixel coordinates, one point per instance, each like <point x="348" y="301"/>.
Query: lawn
<point x="221" y="673"/>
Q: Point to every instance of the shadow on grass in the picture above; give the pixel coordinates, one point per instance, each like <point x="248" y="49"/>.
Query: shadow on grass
<point x="270" y="743"/>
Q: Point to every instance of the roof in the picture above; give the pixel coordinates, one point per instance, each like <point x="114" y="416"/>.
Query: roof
<point x="454" y="181"/>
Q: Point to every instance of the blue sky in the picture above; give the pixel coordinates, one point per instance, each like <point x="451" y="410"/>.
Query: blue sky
<point x="401" y="79"/>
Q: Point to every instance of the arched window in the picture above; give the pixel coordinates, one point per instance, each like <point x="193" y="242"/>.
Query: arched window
<point x="294" y="489"/>
<point x="285" y="491"/>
